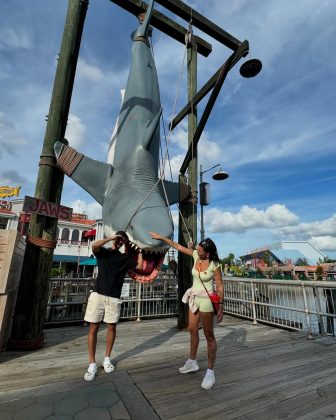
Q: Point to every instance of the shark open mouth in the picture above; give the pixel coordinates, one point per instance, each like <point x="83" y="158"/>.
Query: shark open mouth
<point x="152" y="261"/>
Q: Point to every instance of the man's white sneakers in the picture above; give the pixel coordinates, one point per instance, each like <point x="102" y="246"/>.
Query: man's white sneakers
<point x="107" y="365"/>
<point x="189" y="366"/>
<point x="91" y="372"/>
<point x="92" y="369"/>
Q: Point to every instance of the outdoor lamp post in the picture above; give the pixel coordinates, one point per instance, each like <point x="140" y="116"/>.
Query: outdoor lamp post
<point x="217" y="176"/>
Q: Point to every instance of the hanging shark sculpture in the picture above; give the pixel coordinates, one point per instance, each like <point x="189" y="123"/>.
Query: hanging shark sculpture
<point x="127" y="185"/>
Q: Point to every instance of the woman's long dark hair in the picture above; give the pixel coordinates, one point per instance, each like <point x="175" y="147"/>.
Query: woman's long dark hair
<point x="209" y="246"/>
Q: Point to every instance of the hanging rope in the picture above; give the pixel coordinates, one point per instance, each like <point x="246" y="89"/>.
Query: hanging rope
<point x="41" y="242"/>
<point x="192" y="46"/>
<point x="189" y="40"/>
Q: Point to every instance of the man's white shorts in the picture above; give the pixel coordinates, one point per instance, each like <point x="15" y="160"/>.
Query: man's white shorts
<point x="102" y="308"/>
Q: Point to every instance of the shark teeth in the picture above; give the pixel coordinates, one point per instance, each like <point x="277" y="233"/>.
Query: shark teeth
<point x="155" y="251"/>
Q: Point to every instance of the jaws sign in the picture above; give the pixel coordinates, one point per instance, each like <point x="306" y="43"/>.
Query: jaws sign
<point x="45" y="208"/>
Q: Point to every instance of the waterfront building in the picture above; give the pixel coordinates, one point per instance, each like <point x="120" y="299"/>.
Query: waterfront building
<point x="74" y="237"/>
<point x="284" y="252"/>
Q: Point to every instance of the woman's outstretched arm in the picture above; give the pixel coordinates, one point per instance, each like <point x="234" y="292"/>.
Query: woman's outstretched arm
<point x="171" y="243"/>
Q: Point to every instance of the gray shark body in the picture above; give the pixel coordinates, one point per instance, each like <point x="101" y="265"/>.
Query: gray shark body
<point x="127" y="186"/>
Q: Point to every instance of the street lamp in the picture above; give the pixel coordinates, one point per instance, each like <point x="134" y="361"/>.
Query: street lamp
<point x="217" y="176"/>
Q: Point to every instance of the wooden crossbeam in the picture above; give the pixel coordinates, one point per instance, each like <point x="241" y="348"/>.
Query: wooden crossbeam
<point x="179" y="8"/>
<point x="164" y="24"/>
<point x="214" y="94"/>
<point x="202" y="92"/>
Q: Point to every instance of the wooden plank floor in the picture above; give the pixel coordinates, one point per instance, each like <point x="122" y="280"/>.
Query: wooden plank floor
<point x="261" y="372"/>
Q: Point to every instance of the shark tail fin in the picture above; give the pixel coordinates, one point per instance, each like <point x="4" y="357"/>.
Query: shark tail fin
<point x="86" y="172"/>
<point x="144" y="27"/>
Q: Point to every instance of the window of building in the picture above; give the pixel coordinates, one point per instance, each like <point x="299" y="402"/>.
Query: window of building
<point x="65" y="234"/>
<point x="75" y="236"/>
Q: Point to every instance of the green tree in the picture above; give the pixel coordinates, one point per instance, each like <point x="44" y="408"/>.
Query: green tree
<point x="229" y="260"/>
<point x="238" y="271"/>
<point x="319" y="273"/>
<point x="56" y="272"/>
<point x="260" y="274"/>
<point x="327" y="260"/>
<point x="301" y="262"/>
<point x="267" y="258"/>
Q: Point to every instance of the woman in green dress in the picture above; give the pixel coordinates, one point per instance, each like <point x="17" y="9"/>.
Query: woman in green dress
<point x="206" y="271"/>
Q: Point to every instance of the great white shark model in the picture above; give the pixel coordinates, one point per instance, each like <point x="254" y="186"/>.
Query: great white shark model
<point x="127" y="185"/>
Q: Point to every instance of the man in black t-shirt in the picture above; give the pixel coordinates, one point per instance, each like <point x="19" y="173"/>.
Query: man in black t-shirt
<point x="104" y="303"/>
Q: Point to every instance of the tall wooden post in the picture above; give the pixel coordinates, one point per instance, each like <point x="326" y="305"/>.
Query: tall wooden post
<point x="189" y="208"/>
<point x="27" y="330"/>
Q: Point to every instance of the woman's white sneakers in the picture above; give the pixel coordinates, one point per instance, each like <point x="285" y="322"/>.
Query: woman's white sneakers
<point x="208" y="381"/>
<point x="192" y="366"/>
<point x="92" y="369"/>
<point x="189" y="366"/>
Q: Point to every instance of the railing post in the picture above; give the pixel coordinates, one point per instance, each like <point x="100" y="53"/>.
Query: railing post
<point x="139" y="301"/>
<point x="66" y="299"/>
<point x="309" y="336"/>
<point x="318" y="310"/>
<point x="253" y="303"/>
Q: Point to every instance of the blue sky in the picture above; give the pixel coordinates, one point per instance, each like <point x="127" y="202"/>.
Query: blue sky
<point x="274" y="134"/>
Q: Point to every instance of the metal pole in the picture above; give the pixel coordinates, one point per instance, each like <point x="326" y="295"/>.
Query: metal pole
<point x="202" y="221"/>
<point x="253" y="303"/>
<point x="310" y="335"/>
<point x="316" y="292"/>
<point x="138" y="302"/>
<point x="27" y="331"/>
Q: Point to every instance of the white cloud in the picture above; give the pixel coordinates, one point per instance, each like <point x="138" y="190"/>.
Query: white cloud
<point x="319" y="228"/>
<point x="10" y="140"/>
<point x="11" y="177"/>
<point x="89" y="71"/>
<point x="278" y="221"/>
<point x="208" y="150"/>
<point x="75" y="131"/>
<point x="92" y="210"/>
<point x="326" y="243"/>
<point x="175" y="216"/>
<point x="11" y="38"/>
<point x="175" y="164"/>
<point x="249" y="218"/>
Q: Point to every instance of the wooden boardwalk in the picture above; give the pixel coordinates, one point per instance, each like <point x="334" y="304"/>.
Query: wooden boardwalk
<point x="261" y="372"/>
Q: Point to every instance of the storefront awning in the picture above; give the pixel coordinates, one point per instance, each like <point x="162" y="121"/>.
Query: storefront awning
<point x="68" y="258"/>
<point x="89" y="261"/>
<point x="91" y="232"/>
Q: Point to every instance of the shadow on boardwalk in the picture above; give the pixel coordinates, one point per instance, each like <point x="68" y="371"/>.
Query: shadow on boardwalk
<point x="261" y="373"/>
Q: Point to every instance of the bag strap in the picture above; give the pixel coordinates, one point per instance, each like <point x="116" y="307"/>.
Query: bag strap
<point x="199" y="275"/>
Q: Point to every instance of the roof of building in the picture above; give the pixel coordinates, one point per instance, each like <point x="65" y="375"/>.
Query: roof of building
<point x="288" y="250"/>
<point x="291" y="255"/>
<point x="6" y="211"/>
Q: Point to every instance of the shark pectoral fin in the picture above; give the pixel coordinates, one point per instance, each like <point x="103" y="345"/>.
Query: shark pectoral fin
<point x="86" y="172"/>
<point x="150" y="130"/>
<point x="175" y="192"/>
<point x="92" y="175"/>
